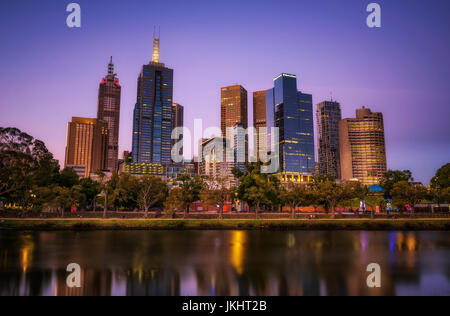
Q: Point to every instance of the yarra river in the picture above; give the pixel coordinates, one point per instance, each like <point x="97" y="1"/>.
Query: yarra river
<point x="224" y="263"/>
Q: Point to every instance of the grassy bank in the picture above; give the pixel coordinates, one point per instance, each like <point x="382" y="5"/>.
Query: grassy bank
<point x="111" y="224"/>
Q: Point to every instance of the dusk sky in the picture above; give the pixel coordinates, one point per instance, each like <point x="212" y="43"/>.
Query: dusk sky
<point x="50" y="72"/>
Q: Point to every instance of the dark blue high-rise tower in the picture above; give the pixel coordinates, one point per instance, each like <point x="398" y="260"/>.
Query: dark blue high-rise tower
<point x="292" y="112"/>
<point x="152" y="122"/>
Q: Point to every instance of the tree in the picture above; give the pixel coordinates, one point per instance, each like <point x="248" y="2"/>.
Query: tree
<point x="237" y="173"/>
<point x="392" y="177"/>
<point x="446" y="195"/>
<point x="258" y="189"/>
<point x="374" y="200"/>
<point x="48" y="171"/>
<point x="68" y="178"/>
<point x="333" y="194"/>
<point x="18" y="189"/>
<point x="313" y="197"/>
<point x="273" y="189"/>
<point x="24" y="163"/>
<point x="405" y="193"/>
<point x="104" y="188"/>
<point x="64" y="198"/>
<point x="317" y="179"/>
<point x="362" y="192"/>
<point x="114" y="190"/>
<point x="90" y="189"/>
<point x="216" y="192"/>
<point x="439" y="183"/>
<point x="43" y="196"/>
<point x="125" y="192"/>
<point x="153" y="191"/>
<point x="191" y="187"/>
<point x="442" y="178"/>
<point x="294" y="195"/>
<point x="174" y="202"/>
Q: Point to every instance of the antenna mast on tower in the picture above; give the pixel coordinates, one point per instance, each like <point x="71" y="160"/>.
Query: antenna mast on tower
<point x="155" y="57"/>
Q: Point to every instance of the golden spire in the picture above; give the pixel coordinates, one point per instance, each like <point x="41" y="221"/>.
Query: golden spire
<point x="155" y="58"/>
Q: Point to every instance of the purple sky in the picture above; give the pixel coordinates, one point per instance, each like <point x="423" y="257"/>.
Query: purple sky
<point x="51" y="73"/>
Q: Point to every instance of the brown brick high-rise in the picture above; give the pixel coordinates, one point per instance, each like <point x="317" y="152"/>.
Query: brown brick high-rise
<point x="234" y="116"/>
<point x="259" y="118"/>
<point x="233" y="107"/>
<point x="109" y="111"/>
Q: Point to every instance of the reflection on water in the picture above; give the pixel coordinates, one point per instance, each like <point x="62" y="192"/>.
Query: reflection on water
<point x="238" y="250"/>
<point x="26" y="251"/>
<point x="224" y="263"/>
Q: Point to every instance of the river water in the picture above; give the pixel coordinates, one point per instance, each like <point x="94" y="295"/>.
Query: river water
<point x="228" y="263"/>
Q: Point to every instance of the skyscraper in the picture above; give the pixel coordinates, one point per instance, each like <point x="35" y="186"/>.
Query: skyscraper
<point x="234" y="110"/>
<point x="109" y="111"/>
<point x="215" y="163"/>
<point x="177" y="122"/>
<point x="152" y="123"/>
<point x="233" y="107"/>
<point x="87" y="144"/>
<point x="362" y="147"/>
<point x="259" y="119"/>
<point x="328" y="114"/>
<point x="291" y="111"/>
<point x="239" y="146"/>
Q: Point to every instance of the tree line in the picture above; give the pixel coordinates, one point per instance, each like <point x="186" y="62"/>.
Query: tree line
<point x="31" y="179"/>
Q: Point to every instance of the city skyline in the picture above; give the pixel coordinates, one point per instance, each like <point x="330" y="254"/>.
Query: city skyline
<point x="397" y="89"/>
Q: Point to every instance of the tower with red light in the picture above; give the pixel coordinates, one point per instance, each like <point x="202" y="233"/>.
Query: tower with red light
<point x="109" y="95"/>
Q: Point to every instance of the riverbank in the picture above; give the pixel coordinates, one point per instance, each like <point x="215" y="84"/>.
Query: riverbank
<point x="151" y="224"/>
<point x="195" y="215"/>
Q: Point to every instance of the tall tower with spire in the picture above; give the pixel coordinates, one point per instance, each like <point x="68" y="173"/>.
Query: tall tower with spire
<point x="109" y="94"/>
<point x="152" y="120"/>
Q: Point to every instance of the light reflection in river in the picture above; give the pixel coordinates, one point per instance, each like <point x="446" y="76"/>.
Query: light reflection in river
<point x="238" y="250"/>
<point x="224" y="263"/>
<point x="26" y="252"/>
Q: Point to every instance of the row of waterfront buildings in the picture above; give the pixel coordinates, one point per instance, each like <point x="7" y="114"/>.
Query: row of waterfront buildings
<point x="348" y="149"/>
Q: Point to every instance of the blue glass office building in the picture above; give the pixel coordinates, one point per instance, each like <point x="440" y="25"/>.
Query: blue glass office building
<point x="292" y="112"/>
<point x="152" y="122"/>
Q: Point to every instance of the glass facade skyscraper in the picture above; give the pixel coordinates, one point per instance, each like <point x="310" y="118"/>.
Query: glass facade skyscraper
<point x="292" y="112"/>
<point x="152" y="123"/>
<point x="328" y="114"/>
<point x="178" y="122"/>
